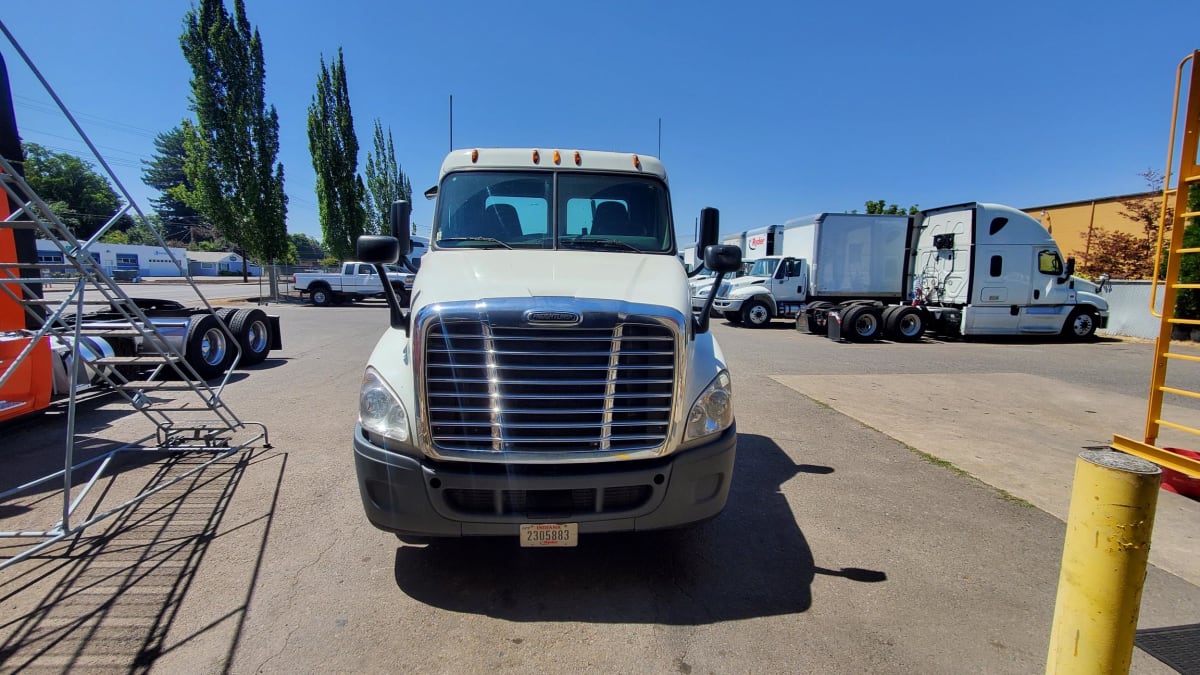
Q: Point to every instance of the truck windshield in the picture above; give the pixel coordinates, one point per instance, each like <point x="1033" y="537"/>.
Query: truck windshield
<point x="764" y="267"/>
<point x="544" y="209"/>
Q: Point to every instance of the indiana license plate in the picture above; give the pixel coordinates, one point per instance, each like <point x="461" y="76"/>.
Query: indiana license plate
<point x="549" y="534"/>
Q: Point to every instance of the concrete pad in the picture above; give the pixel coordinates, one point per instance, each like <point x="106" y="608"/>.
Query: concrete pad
<point x="1017" y="432"/>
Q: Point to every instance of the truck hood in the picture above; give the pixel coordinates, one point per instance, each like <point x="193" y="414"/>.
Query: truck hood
<point x="1084" y="297"/>
<point x="742" y="282"/>
<point x="453" y="276"/>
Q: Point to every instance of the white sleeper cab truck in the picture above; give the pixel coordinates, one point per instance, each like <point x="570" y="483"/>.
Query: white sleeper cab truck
<point x="549" y="379"/>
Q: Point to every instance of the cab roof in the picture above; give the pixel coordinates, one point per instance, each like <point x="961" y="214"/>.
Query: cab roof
<point x="544" y="158"/>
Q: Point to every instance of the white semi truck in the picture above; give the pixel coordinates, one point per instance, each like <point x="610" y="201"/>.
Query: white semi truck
<point x="970" y="269"/>
<point x="549" y="379"/>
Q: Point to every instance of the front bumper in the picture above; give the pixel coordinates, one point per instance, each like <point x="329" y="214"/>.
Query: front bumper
<point x="722" y="305"/>
<point x="412" y="496"/>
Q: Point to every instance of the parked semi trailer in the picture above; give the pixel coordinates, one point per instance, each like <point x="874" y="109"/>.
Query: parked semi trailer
<point x="969" y="269"/>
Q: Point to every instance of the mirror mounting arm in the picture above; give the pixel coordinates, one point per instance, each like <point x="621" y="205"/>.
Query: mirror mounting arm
<point x="397" y="317"/>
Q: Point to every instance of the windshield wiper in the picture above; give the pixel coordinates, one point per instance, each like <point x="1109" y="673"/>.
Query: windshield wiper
<point x="580" y="242"/>
<point x="489" y="240"/>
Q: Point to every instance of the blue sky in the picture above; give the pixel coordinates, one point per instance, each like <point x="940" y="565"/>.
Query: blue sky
<point x="769" y="110"/>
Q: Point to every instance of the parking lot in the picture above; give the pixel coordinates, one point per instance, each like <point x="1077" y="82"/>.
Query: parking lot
<point x="895" y="508"/>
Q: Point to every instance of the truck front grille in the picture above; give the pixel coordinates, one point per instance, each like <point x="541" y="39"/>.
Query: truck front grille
<point x="575" y="390"/>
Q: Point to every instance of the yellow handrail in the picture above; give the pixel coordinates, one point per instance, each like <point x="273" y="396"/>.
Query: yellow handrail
<point x="1162" y="212"/>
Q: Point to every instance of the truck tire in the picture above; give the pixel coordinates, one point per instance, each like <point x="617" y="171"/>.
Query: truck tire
<point x="1081" y="325"/>
<point x="320" y="294"/>
<point x="862" y="323"/>
<point x="756" y="313"/>
<point x="733" y="317"/>
<point x="206" y="346"/>
<point x="225" y="314"/>
<point x="905" y="324"/>
<point x="253" y="332"/>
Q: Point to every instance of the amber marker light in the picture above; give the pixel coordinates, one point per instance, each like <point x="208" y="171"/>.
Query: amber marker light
<point x="578" y="159"/>
<point x="557" y="157"/>
<point x="637" y="163"/>
<point x="536" y="157"/>
<point x="474" y="156"/>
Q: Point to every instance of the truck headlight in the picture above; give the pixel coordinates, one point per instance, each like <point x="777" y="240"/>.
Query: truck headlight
<point x="713" y="410"/>
<point x="379" y="411"/>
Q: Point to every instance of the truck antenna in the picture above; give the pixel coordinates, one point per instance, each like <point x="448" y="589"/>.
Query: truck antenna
<point x="452" y="122"/>
<point x="659" y="154"/>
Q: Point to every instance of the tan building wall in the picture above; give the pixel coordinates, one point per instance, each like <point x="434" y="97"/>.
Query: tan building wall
<point x="1071" y="222"/>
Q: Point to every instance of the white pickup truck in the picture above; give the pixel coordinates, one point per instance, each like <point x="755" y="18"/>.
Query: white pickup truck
<point x="356" y="281"/>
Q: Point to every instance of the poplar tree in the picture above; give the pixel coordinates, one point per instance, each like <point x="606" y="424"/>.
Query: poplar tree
<point x="231" y="148"/>
<point x="386" y="183"/>
<point x="334" y="147"/>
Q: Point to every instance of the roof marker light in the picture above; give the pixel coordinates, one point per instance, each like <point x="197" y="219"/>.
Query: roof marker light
<point x="537" y="158"/>
<point x="637" y="163"/>
<point x="475" y="155"/>
<point x="578" y="159"/>
<point x="557" y="157"/>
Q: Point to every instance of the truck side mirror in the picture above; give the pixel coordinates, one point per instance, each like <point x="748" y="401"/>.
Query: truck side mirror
<point x="378" y="249"/>
<point x="722" y="259"/>
<point x="710" y="225"/>
<point x="1070" y="270"/>
<point x="401" y="216"/>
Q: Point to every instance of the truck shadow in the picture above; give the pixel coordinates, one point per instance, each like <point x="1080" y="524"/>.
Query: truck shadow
<point x="750" y="561"/>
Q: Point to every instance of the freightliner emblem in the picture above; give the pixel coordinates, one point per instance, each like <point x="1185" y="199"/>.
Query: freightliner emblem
<point x="557" y="318"/>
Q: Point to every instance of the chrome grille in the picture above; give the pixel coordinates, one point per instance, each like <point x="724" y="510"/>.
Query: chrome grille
<point x="602" y="389"/>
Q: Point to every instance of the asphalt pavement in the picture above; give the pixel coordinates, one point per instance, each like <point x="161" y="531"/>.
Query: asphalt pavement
<point x="843" y="549"/>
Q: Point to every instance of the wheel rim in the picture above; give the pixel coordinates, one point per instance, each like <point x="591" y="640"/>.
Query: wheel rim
<point x="319" y="297"/>
<point x="212" y="347"/>
<point x="910" y="325"/>
<point x="256" y="337"/>
<point x="758" y="314"/>
<point x="1083" y="325"/>
<point x="866" y="324"/>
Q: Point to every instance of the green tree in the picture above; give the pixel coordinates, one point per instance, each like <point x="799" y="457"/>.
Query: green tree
<point x="164" y="172"/>
<point x="386" y="183"/>
<point x="146" y="233"/>
<point x="307" y="248"/>
<point x="83" y="199"/>
<point x="231" y="149"/>
<point x="334" y="148"/>
<point x="1187" y="303"/>
<point x="882" y="208"/>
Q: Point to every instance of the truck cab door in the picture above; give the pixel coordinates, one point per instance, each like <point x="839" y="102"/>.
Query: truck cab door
<point x="368" y="281"/>
<point x="1051" y="297"/>
<point x="787" y="285"/>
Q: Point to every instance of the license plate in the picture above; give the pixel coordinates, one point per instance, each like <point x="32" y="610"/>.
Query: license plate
<point x="549" y="534"/>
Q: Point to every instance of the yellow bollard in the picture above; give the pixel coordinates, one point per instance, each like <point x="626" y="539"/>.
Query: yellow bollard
<point x="1104" y="563"/>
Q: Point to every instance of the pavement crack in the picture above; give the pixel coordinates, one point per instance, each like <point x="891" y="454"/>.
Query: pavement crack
<point x="296" y="576"/>
<point x="282" y="649"/>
